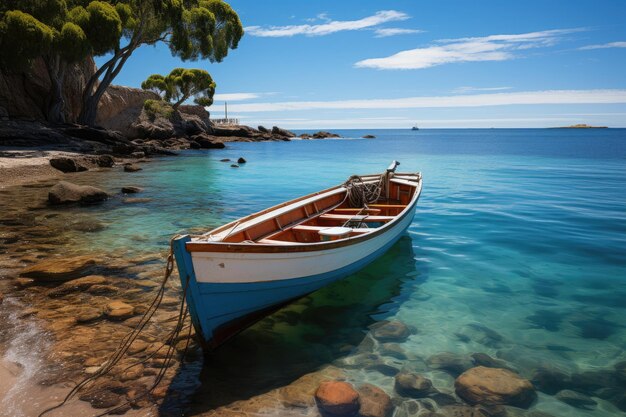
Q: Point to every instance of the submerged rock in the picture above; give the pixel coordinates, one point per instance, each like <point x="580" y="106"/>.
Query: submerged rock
<point x="337" y="398"/>
<point x="234" y="166"/>
<point x="390" y="331"/>
<point x="374" y="402"/>
<point x="59" y="269"/>
<point x="66" y="192"/>
<point x="79" y="284"/>
<point x="453" y="363"/>
<point x="241" y="160"/>
<point x="410" y="384"/>
<point x="119" y="310"/>
<point x="576" y="399"/>
<point x="494" y="386"/>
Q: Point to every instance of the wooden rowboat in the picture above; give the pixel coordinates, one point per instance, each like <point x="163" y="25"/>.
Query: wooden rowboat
<point x="240" y="272"/>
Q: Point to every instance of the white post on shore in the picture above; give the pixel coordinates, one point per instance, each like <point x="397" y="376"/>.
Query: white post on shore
<point x="225" y="110"/>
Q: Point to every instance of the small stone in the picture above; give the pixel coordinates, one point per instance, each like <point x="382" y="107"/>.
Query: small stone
<point x="132" y="168"/>
<point x="59" y="269"/>
<point x="241" y="161"/>
<point x="138" y="155"/>
<point x="394" y="350"/>
<point x="369" y="137"/>
<point x="132" y="373"/>
<point x="24" y="282"/>
<point x="494" y="386"/>
<point x="390" y="331"/>
<point x="374" y="402"/>
<point x="137" y="346"/>
<point x="410" y="384"/>
<point x="225" y="160"/>
<point x="234" y="166"/>
<point x="337" y="398"/>
<point x="119" y="310"/>
<point x="159" y="392"/>
<point x="100" y="398"/>
<point x="105" y="161"/>
<point x="576" y="399"/>
<point x="129" y="189"/>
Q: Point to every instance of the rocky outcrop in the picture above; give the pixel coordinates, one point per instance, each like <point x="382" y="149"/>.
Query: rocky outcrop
<point x="494" y="386"/>
<point x="24" y="94"/>
<point x="66" y="192"/>
<point x="319" y="135"/>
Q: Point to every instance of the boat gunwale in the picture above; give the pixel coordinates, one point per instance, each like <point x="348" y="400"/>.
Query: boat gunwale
<point x="247" y="247"/>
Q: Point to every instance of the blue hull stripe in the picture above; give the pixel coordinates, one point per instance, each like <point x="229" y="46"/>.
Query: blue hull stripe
<point x="215" y="304"/>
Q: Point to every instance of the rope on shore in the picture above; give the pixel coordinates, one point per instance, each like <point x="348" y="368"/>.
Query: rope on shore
<point x="127" y="341"/>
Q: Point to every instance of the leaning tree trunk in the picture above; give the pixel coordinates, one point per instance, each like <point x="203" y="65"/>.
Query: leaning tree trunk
<point x="94" y="91"/>
<point x="55" y="103"/>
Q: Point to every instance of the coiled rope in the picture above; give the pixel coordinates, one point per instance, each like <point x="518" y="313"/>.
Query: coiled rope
<point x="127" y="341"/>
<point x="361" y="193"/>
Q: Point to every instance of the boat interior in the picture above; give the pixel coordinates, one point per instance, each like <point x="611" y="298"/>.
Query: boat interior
<point x="323" y="216"/>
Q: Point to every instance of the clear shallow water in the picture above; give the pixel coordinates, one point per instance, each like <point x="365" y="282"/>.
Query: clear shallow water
<point x="521" y="231"/>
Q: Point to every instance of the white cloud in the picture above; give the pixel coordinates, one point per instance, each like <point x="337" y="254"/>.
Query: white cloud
<point x="327" y="28"/>
<point x="467" y="89"/>
<point x="470" y="100"/>
<point x="240" y="96"/>
<point x="605" y="46"/>
<point x="383" y="33"/>
<point x="486" y="48"/>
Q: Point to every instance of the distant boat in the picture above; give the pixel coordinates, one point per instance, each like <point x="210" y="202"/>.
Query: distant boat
<point x="243" y="271"/>
<point x="415" y="128"/>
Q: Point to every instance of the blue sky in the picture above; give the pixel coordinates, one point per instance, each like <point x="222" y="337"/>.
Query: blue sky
<point x="435" y="63"/>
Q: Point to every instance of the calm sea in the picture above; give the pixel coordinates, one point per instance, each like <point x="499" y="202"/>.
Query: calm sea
<point x="517" y="250"/>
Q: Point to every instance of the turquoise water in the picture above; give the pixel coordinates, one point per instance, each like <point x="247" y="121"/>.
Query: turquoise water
<point x="520" y="231"/>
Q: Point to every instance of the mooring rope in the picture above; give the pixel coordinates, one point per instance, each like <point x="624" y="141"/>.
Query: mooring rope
<point x="127" y="341"/>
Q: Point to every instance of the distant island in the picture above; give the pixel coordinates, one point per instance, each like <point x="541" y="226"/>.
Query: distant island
<point x="581" y="126"/>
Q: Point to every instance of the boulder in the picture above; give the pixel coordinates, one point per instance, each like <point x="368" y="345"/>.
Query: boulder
<point x="576" y="399"/>
<point x="105" y="161"/>
<point x="59" y="269"/>
<point x="390" y="331"/>
<point x="410" y="384"/>
<point x="323" y="135"/>
<point x="129" y="189"/>
<point x="66" y="193"/>
<point x="79" y="284"/>
<point x="374" y="402"/>
<point x="67" y="165"/>
<point x="282" y="132"/>
<point x="208" y="142"/>
<point x="132" y="168"/>
<point x="337" y="398"/>
<point x="241" y="160"/>
<point x="119" y="310"/>
<point x="494" y="386"/>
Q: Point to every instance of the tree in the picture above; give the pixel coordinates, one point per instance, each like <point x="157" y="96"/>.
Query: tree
<point x="66" y="31"/>
<point x="193" y="29"/>
<point x="30" y="29"/>
<point x="181" y="84"/>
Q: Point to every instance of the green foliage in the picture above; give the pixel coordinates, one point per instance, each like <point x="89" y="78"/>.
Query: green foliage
<point x="22" y="38"/>
<point x="72" y="42"/>
<point x="181" y="84"/>
<point x="104" y="27"/>
<point x="156" y="108"/>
